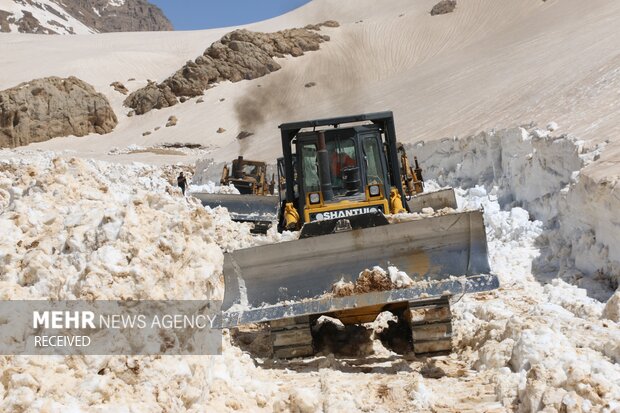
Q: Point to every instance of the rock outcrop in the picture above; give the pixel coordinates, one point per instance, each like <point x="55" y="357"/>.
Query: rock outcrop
<point x="46" y="108"/>
<point x="80" y="16"/>
<point x="119" y="87"/>
<point x="238" y="55"/>
<point x="443" y="7"/>
<point x="172" y="121"/>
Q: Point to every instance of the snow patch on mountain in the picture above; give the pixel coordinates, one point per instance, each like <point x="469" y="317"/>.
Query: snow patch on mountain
<point x="39" y="16"/>
<point x="79" y="17"/>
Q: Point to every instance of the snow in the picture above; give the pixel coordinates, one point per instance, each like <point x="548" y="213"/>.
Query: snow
<point x="399" y="278"/>
<point x="72" y="227"/>
<point x="211" y="188"/>
<point x="421" y="396"/>
<point x="128" y="149"/>
<point x="382" y="321"/>
<point x="325" y="319"/>
<point x="303" y="400"/>
<point x="89" y="211"/>
<point x="545" y="176"/>
<point x="539" y="133"/>
<point x="552" y="126"/>
<point x="548" y="337"/>
<point x="612" y="308"/>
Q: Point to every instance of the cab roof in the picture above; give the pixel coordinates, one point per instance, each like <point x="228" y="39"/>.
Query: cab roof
<point x="296" y="126"/>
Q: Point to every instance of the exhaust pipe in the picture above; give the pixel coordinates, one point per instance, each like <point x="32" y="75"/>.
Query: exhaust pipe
<point x="419" y="184"/>
<point x="324" y="175"/>
<point x="418" y="170"/>
<point x="238" y="168"/>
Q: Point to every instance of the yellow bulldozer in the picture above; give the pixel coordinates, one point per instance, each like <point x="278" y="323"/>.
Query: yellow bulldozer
<point x="249" y="177"/>
<point x="344" y="177"/>
<point x="255" y="202"/>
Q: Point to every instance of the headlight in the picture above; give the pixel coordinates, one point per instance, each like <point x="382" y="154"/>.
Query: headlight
<point x="374" y="190"/>
<point x="315" y="198"/>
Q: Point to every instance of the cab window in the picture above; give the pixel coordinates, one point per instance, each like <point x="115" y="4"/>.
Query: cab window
<point x="342" y="155"/>
<point x="372" y="155"/>
<point x="310" y="168"/>
<point x="250" y="169"/>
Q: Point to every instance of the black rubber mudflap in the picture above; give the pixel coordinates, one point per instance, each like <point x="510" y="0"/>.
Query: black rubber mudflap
<point x="331" y="226"/>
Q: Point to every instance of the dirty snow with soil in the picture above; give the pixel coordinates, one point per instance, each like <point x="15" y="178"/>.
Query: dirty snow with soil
<point x="79" y="229"/>
<point x="375" y="279"/>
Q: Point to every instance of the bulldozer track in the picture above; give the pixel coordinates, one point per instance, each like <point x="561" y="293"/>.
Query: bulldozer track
<point x="292" y="337"/>
<point x="431" y="326"/>
<point x="430" y="321"/>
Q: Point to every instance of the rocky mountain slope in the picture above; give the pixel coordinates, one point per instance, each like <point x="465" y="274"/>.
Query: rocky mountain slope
<point x="80" y="16"/>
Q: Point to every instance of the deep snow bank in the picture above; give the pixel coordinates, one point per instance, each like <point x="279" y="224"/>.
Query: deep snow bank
<point x="75" y="229"/>
<point x="546" y="347"/>
<point x="539" y="172"/>
<point x="81" y="229"/>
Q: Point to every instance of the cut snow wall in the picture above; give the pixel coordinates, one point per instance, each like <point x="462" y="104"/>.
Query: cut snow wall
<point x="207" y="170"/>
<point x="540" y="173"/>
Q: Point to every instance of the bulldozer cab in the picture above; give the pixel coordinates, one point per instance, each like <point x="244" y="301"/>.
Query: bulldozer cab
<point x="347" y="168"/>
<point x="249" y="177"/>
<point x="243" y="168"/>
<point x="354" y="159"/>
<point x="253" y="204"/>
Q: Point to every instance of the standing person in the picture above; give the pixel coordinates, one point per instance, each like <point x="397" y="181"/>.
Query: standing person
<point x="182" y="182"/>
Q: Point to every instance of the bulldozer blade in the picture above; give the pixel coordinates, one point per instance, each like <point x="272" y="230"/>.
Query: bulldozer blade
<point x="444" y="198"/>
<point x="288" y="279"/>
<point x="244" y="208"/>
<point x="327" y="305"/>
